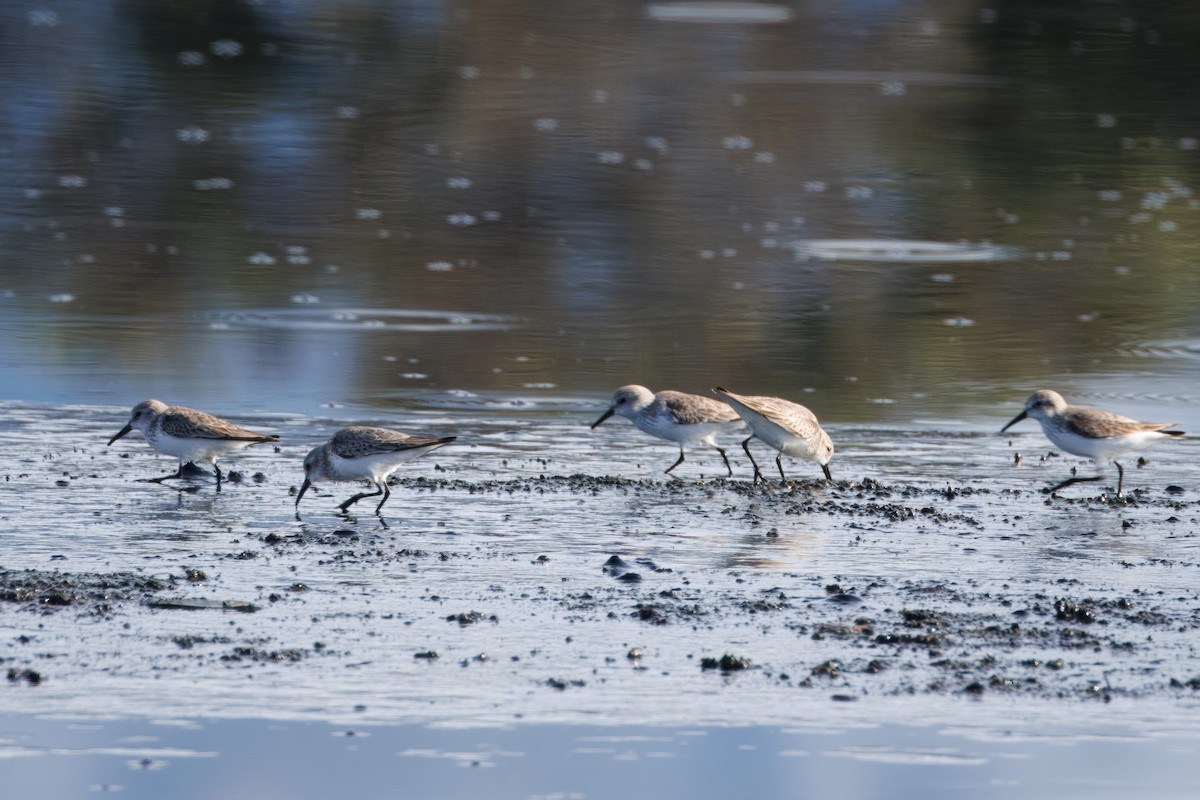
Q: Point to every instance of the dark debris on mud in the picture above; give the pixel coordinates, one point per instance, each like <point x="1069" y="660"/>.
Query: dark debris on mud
<point x="867" y="498"/>
<point x="847" y="638"/>
<point x="92" y="593"/>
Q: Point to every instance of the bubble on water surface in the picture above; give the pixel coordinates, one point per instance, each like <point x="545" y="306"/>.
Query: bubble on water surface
<point x="311" y="318"/>
<point x="658" y="144"/>
<point x="899" y="250"/>
<point x="226" y="48"/>
<point x="43" y="18"/>
<point x="719" y="13"/>
<point x="210" y="184"/>
<point x="192" y="134"/>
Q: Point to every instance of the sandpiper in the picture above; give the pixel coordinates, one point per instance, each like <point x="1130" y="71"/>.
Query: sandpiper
<point x="364" y="453"/>
<point x="786" y="426"/>
<point x="187" y="434"/>
<point x="1090" y="432"/>
<point x="678" y="417"/>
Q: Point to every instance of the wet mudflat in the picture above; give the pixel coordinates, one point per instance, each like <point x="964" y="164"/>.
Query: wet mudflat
<point x="538" y="572"/>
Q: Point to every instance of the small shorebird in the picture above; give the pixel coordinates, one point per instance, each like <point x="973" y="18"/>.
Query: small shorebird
<point x="678" y="417"/>
<point x="363" y="453"/>
<point x="187" y="434"/>
<point x="786" y="426"/>
<point x="1090" y="432"/>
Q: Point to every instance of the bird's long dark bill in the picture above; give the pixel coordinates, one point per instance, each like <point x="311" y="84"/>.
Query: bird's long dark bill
<point x="603" y="417"/>
<point x="121" y="433"/>
<point x="1015" y="420"/>
<point x="303" y="488"/>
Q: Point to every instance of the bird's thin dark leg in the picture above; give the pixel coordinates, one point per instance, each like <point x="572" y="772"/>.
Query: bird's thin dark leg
<point x="758" y="476"/>
<point x="677" y="463"/>
<point x="217" y="470"/>
<point x="177" y="474"/>
<point x="387" y="492"/>
<point x="1070" y="481"/>
<point x="726" y="458"/>
<point x="1120" y="479"/>
<point x="358" y="497"/>
<point x="779" y="463"/>
<point x="825" y="469"/>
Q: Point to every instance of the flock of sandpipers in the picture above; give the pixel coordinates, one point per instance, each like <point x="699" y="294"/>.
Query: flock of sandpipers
<point x="365" y="453"/>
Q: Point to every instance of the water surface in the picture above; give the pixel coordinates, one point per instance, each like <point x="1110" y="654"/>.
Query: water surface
<point x="479" y="219"/>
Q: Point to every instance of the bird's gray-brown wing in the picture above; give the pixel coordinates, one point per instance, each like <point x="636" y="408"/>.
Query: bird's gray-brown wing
<point x="1097" y="424"/>
<point x="794" y="417"/>
<point x="357" y="441"/>
<point x="188" y="423"/>
<point x="691" y="409"/>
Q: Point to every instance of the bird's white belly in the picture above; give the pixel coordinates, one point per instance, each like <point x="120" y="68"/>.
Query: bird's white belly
<point x="367" y="468"/>
<point x="1102" y="449"/>
<point x="666" y="428"/>
<point x="194" y="449"/>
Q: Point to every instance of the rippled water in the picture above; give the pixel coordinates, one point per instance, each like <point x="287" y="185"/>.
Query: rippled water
<point x="889" y="211"/>
<point x="480" y="219"/>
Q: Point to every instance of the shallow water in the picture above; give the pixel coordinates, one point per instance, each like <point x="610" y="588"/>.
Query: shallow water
<point x="205" y="759"/>
<point x="889" y="211"/>
<point x="480" y="220"/>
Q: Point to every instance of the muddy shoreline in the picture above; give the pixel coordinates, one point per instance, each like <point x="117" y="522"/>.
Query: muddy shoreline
<point x="528" y="593"/>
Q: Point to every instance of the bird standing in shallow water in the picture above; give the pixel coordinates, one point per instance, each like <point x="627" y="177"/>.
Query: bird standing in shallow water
<point x="675" y="416"/>
<point x="1090" y="432"/>
<point x="364" y="453"/>
<point x="786" y="426"/>
<point x="188" y="434"/>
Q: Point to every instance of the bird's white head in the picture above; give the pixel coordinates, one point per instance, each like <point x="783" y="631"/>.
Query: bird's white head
<point x="142" y="417"/>
<point x="1041" y="405"/>
<point x="1045" y="403"/>
<point x="314" y="470"/>
<point x="627" y="401"/>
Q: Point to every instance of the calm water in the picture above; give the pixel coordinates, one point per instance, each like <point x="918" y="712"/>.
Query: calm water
<point x="279" y="205"/>
<point x="483" y="217"/>
<point x="192" y="761"/>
